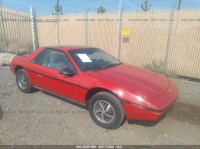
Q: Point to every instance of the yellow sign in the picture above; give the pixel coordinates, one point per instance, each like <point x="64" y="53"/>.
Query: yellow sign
<point x="125" y="31"/>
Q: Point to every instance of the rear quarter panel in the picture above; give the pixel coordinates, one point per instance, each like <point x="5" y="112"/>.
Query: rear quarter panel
<point x="23" y="61"/>
<point x="17" y="61"/>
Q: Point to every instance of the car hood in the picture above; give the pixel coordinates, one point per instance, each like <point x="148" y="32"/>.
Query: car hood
<point x="130" y="77"/>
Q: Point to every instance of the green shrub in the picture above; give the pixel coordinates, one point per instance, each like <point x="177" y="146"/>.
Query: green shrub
<point x="159" y="67"/>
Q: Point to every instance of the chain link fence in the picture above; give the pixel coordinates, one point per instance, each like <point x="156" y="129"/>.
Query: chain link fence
<point x="15" y="32"/>
<point x="171" y="37"/>
<point x="137" y="38"/>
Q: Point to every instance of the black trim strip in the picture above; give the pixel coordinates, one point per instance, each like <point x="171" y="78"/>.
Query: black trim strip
<point x="128" y="102"/>
<point x="57" y="79"/>
<point x="160" y="111"/>
<point x="61" y="96"/>
<point x="13" y="64"/>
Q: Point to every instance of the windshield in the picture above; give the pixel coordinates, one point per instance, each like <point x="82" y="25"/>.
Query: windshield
<point x="93" y="59"/>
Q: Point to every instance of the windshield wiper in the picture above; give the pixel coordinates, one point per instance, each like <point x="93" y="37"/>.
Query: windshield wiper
<point x="106" y="66"/>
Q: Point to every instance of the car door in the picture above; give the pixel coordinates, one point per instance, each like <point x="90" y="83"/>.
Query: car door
<point x="50" y="79"/>
<point x="32" y="67"/>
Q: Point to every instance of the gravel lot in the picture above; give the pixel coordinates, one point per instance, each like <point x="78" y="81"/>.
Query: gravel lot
<point x="39" y="118"/>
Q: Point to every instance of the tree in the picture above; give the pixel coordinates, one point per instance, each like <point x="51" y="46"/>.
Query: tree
<point x="101" y="9"/>
<point x="145" y="6"/>
<point x="58" y="9"/>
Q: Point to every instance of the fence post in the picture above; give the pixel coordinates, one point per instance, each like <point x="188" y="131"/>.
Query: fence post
<point x="58" y="31"/>
<point x="3" y="30"/>
<point x="169" y="37"/>
<point x="33" y="26"/>
<point x="18" y="28"/>
<point x="86" y="35"/>
<point x="119" y="35"/>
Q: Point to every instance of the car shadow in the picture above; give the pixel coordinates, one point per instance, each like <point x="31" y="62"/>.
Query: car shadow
<point x="1" y="113"/>
<point x="34" y="90"/>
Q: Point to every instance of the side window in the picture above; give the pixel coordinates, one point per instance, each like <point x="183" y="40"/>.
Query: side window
<point x="57" y="60"/>
<point x="39" y="57"/>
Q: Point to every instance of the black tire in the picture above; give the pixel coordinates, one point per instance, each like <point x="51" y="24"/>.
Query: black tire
<point x="24" y="88"/>
<point x="105" y="98"/>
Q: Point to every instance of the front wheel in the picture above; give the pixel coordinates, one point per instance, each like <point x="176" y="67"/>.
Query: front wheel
<point x="23" y="82"/>
<point x="106" y="110"/>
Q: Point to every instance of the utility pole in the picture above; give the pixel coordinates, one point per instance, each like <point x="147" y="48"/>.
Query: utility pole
<point x="179" y="5"/>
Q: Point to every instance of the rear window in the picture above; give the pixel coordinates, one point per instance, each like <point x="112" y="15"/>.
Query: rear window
<point x="39" y="57"/>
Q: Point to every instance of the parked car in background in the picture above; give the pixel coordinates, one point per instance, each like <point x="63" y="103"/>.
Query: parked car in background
<point x="111" y="90"/>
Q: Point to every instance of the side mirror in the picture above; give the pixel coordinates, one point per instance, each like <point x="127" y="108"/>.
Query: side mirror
<point x="67" y="72"/>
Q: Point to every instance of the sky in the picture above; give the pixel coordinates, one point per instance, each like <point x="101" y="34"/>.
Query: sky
<point x="46" y="7"/>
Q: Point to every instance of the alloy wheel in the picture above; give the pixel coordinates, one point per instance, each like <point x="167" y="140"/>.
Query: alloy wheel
<point x="104" y="111"/>
<point x="22" y="81"/>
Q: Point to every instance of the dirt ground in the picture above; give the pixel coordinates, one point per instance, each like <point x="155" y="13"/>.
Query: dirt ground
<point x="39" y="118"/>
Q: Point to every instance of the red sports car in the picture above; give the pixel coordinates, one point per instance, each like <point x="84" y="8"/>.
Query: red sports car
<point x="110" y="89"/>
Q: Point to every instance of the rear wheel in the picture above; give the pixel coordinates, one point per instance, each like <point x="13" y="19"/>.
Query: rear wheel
<point x="106" y="110"/>
<point x="23" y="82"/>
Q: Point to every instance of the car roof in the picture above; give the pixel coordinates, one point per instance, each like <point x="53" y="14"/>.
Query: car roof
<point x="68" y="47"/>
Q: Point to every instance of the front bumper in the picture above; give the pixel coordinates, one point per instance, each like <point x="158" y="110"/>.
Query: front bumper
<point x="133" y="112"/>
